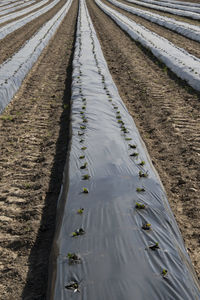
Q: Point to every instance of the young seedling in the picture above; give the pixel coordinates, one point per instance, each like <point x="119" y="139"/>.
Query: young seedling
<point x="146" y="226"/>
<point x="78" y="232"/>
<point x="124" y="129"/>
<point x="141" y="174"/>
<point x="118" y="117"/>
<point x="81" y="141"/>
<point x="80" y="211"/>
<point x="139" y="190"/>
<point x="139" y="205"/>
<point x="82" y="156"/>
<point x="84" y="148"/>
<point x="83" y="107"/>
<point x="115" y="107"/>
<point x="73" y="286"/>
<point x="83" y="166"/>
<point x="134" y="154"/>
<point x="82" y="127"/>
<point x="86" y="177"/>
<point x="154" y="246"/>
<point x="128" y="139"/>
<point x="73" y="258"/>
<point x="85" y="120"/>
<point x="132" y="146"/>
<point x="142" y="163"/>
<point x="120" y="122"/>
<point x="164" y="273"/>
<point x="85" y="191"/>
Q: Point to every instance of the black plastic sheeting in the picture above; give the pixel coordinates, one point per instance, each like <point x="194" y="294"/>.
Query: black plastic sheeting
<point x="116" y="236"/>
<point x="13" y="71"/>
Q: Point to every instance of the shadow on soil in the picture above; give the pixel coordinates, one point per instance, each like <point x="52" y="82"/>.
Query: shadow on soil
<point x="37" y="278"/>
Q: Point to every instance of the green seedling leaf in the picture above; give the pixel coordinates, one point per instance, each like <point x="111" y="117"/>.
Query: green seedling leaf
<point x="85" y="120"/>
<point x="132" y="146"/>
<point x="86" y="177"/>
<point x="85" y="191"/>
<point x="82" y="112"/>
<point x="82" y="127"/>
<point x="73" y="258"/>
<point x="120" y="122"/>
<point x="128" y="139"/>
<point x="115" y="107"/>
<point x="73" y="286"/>
<point x="81" y="141"/>
<point x="164" y="272"/>
<point x="141" y="174"/>
<point x="78" y="232"/>
<point x="83" y="148"/>
<point x="118" y="117"/>
<point x="83" y="107"/>
<point x="80" y="211"/>
<point x="139" y="206"/>
<point x="134" y="154"/>
<point x="154" y="246"/>
<point x="140" y="190"/>
<point x="142" y="163"/>
<point x="146" y="226"/>
<point x="82" y="156"/>
<point x="84" y="166"/>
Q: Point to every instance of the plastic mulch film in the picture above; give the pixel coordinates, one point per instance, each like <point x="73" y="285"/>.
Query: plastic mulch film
<point x="9" y="10"/>
<point x="185" y="65"/>
<point x="10" y="27"/>
<point x="116" y="237"/>
<point x="13" y="71"/>
<point x="22" y="12"/>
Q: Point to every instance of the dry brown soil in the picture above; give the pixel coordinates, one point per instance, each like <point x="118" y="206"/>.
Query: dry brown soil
<point x="34" y="137"/>
<point x="33" y="146"/>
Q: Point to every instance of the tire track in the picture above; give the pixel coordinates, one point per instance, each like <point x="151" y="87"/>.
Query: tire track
<point x="156" y="99"/>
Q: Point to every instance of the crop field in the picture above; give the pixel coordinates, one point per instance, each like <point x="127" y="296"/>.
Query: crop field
<point x="100" y="149"/>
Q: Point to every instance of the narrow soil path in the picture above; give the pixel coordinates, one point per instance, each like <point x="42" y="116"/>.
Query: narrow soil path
<point x="180" y="41"/>
<point x="176" y="17"/>
<point x="15" y="40"/>
<point x="34" y="138"/>
<point x="166" y="112"/>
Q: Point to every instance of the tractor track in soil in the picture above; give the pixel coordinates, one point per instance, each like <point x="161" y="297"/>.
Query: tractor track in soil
<point x="166" y="112"/>
<point x="34" y="137"/>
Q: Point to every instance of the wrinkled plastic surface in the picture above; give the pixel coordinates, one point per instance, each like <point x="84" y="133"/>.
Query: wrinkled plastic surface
<point x="183" y="64"/>
<point x="8" y="6"/>
<point x="116" y="261"/>
<point x="13" y="71"/>
<point x="173" y="5"/>
<point x="22" y="12"/>
<point x="9" y="10"/>
<point x="182" y="2"/>
<point x="183" y="28"/>
<point x="178" y="12"/>
<point x="10" y="27"/>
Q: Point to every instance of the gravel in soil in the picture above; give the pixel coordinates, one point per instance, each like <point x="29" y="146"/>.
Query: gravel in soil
<point x="166" y="112"/>
<point x="15" y="40"/>
<point x="34" y="137"/>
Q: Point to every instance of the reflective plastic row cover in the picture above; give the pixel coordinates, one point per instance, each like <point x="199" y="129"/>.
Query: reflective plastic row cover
<point x="110" y="193"/>
<point x="14" y="70"/>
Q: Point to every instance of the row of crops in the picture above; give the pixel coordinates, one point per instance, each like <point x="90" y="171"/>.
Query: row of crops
<point x="116" y="237"/>
<point x="116" y="233"/>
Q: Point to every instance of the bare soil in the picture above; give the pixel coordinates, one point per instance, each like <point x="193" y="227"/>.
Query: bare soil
<point x="162" y="13"/>
<point x="15" y="40"/>
<point x="191" y="46"/>
<point x="33" y="145"/>
<point x="34" y="139"/>
<point x="166" y="112"/>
